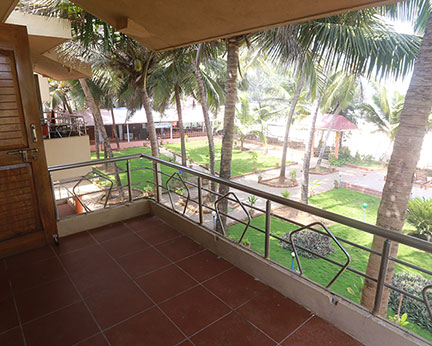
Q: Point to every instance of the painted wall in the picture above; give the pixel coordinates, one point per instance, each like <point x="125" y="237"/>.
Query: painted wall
<point x="68" y="150"/>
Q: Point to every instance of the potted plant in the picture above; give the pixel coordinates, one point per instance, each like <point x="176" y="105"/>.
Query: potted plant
<point x="293" y="175"/>
<point x="336" y="183"/>
<point x="260" y="178"/>
<point x="252" y="200"/>
<point x="246" y="243"/>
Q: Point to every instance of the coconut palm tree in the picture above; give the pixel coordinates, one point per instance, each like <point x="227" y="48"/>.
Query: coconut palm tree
<point x="406" y="152"/>
<point x="384" y="113"/>
<point x="173" y="79"/>
<point x="233" y="46"/>
<point x="341" y="92"/>
<point x="356" y="42"/>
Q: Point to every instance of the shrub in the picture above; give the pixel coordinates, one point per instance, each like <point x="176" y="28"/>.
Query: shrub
<point x="285" y="193"/>
<point x="419" y="214"/>
<point x="310" y="240"/>
<point x="416" y="311"/>
<point x="293" y="175"/>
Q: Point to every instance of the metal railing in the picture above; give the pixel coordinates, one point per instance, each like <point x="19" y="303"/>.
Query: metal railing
<point x="161" y="181"/>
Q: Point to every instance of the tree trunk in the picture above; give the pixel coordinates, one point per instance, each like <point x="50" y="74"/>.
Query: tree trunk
<point x="288" y="126"/>
<point x="327" y="135"/>
<point x="99" y="121"/>
<point x="153" y="139"/>
<point x="402" y="165"/>
<point x="228" y="127"/>
<point x="307" y="156"/>
<point x="209" y="130"/>
<point x="180" y="124"/>
<point x="115" y="129"/>
<point x="150" y="124"/>
<point x="96" y="134"/>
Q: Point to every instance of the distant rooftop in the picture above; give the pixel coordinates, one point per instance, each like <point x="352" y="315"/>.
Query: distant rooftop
<point x="340" y="124"/>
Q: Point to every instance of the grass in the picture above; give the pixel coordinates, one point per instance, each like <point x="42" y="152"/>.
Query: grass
<point x="364" y="163"/>
<point x="242" y="161"/>
<point x="344" y="202"/>
<point x="140" y="177"/>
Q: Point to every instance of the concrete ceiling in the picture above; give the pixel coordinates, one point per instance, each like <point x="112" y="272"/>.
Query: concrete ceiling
<point x="6" y="7"/>
<point x="167" y="24"/>
<point x="44" y="35"/>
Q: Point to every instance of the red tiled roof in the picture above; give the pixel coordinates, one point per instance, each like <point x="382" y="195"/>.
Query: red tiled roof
<point x="340" y="124"/>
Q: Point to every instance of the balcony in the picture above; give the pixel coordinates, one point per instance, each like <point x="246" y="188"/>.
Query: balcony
<point x="140" y="282"/>
<point x="153" y="271"/>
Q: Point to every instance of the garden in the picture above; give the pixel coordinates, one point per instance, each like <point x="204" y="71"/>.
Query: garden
<point x="346" y="202"/>
<point x="243" y="162"/>
<point x="139" y="176"/>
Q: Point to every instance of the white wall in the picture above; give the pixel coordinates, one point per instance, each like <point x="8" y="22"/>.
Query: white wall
<point x="68" y="150"/>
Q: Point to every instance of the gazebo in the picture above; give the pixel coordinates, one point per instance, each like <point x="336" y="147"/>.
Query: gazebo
<point x="340" y="125"/>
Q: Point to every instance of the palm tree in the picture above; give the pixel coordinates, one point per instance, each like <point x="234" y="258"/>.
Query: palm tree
<point x="384" y="113"/>
<point x="300" y="83"/>
<point x="172" y="80"/>
<point x="204" y="91"/>
<point x="341" y="93"/>
<point x="406" y="152"/>
<point x="304" y="196"/>
<point x="233" y="45"/>
<point x="356" y="42"/>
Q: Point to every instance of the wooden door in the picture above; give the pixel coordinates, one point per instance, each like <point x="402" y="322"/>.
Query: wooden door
<point x="27" y="216"/>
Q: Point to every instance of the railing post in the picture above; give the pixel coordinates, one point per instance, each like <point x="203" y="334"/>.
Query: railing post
<point x="267" y="230"/>
<point x="156" y="180"/>
<point x="129" y="179"/>
<point x="382" y="275"/>
<point x="53" y="196"/>
<point x="200" y="206"/>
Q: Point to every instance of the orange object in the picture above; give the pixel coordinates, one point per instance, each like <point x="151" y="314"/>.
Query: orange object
<point x="78" y="206"/>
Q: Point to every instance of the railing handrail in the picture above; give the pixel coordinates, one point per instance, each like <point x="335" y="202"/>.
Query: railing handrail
<point x="344" y="220"/>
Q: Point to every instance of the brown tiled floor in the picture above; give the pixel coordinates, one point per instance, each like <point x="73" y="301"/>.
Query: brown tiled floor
<point x="141" y="282"/>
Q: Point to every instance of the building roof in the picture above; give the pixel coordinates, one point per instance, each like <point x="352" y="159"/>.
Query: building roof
<point x="340" y="124"/>
<point x="191" y="114"/>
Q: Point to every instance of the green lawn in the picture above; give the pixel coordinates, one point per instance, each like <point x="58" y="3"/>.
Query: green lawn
<point x="242" y="162"/>
<point x="344" y="202"/>
<point x="139" y="176"/>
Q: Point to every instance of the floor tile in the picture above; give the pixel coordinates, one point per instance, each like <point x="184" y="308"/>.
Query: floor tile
<point x="165" y="283"/>
<point x="45" y="298"/>
<point x="94" y="280"/>
<point x="158" y="233"/>
<point x="36" y="273"/>
<point x="65" y="327"/>
<point x="232" y="330"/>
<point x="117" y="304"/>
<point x="12" y="337"/>
<point x="194" y="309"/>
<point x="204" y="265"/>
<point x="5" y="289"/>
<point x="17" y="261"/>
<point x="235" y="287"/>
<point x="8" y="316"/>
<point x="92" y="256"/>
<point x="148" y="328"/>
<point x="127" y="244"/>
<point x="111" y="231"/>
<point x="318" y="332"/>
<point x="97" y="340"/>
<point x="275" y="314"/>
<point x="143" y="262"/>
<point x="179" y="248"/>
<point x="74" y="242"/>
